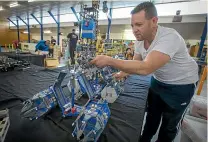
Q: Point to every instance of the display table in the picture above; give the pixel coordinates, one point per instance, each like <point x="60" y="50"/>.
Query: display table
<point x="124" y="125"/>
<point x="32" y="58"/>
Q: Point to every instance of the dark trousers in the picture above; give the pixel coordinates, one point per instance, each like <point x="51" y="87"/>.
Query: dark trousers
<point x="50" y="50"/>
<point x="72" y="55"/>
<point x="169" y="103"/>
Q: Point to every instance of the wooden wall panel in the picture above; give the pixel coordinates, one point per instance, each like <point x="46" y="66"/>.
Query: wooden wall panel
<point x="7" y="36"/>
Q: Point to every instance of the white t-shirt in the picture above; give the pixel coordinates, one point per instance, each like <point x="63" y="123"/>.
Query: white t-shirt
<point x="182" y="68"/>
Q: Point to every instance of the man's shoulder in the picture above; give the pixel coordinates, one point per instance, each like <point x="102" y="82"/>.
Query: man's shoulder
<point x="41" y="42"/>
<point x="166" y="33"/>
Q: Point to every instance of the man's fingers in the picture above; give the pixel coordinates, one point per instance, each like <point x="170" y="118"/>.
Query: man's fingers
<point x="113" y="74"/>
<point x="117" y="76"/>
<point x="90" y="59"/>
<point x="93" y="61"/>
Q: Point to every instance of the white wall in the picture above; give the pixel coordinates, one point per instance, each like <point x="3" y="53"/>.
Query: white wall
<point x="187" y="8"/>
<point x="130" y="36"/>
<point x="162" y="19"/>
<point x="125" y="35"/>
<point x="189" y="31"/>
<point x="194" y="41"/>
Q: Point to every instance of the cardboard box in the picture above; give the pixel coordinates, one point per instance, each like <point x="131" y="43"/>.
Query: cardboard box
<point x="51" y="63"/>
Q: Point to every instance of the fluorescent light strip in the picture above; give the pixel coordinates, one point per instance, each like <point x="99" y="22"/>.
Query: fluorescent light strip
<point x="14" y="4"/>
<point x="31" y="0"/>
<point x="47" y="32"/>
<point x="77" y="31"/>
<point x="25" y="32"/>
<point x="1" y="8"/>
<point x="128" y="30"/>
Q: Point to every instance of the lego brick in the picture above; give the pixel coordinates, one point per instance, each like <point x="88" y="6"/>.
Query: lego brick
<point x="4" y="124"/>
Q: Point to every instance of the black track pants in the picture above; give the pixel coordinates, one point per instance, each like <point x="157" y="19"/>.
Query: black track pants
<point x="169" y="103"/>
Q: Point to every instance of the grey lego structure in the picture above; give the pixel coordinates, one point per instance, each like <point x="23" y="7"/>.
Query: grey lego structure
<point x="4" y="124"/>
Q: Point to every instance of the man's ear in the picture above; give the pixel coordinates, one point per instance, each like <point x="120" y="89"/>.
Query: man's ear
<point x="154" y="20"/>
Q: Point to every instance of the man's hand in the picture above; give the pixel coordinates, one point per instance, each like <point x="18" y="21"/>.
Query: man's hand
<point x="101" y="61"/>
<point x="120" y="75"/>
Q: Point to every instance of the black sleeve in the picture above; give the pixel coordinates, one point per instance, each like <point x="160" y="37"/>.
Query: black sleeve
<point x="77" y="37"/>
<point x="69" y="35"/>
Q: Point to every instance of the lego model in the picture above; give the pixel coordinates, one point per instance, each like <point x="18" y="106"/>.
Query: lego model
<point x="91" y="121"/>
<point x="93" y="116"/>
<point x="7" y="64"/>
<point x="84" y="79"/>
<point x="4" y="124"/>
<point x="40" y="104"/>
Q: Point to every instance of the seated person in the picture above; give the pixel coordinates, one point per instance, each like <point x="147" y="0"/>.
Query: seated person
<point x="42" y="45"/>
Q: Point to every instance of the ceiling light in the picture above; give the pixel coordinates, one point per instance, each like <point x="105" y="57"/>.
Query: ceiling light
<point x="1" y="8"/>
<point x="14" y="4"/>
<point x="25" y="32"/>
<point x="31" y="0"/>
<point x="128" y="30"/>
<point x="47" y="31"/>
<point x="77" y="31"/>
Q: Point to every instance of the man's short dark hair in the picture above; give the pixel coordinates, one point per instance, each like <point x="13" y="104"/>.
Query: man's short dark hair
<point x="148" y="7"/>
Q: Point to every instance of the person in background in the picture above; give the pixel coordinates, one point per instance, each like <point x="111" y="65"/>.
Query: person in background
<point x="72" y="37"/>
<point x="131" y="44"/>
<point x="16" y="44"/>
<point x="129" y="54"/>
<point x="51" y="50"/>
<point x="51" y="47"/>
<point x="42" y="45"/>
<point x="53" y="41"/>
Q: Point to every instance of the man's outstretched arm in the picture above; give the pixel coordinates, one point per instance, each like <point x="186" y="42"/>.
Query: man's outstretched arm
<point x="122" y="74"/>
<point x="152" y="62"/>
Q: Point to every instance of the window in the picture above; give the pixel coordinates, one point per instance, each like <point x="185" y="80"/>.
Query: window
<point x="11" y="24"/>
<point x="102" y="15"/>
<point x="68" y="18"/>
<point x="33" y="21"/>
<point x="49" y="20"/>
<point x="20" y="23"/>
<point x="122" y="12"/>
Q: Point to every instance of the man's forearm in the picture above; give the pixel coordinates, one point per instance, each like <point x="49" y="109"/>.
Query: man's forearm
<point x="130" y="66"/>
<point x="125" y="74"/>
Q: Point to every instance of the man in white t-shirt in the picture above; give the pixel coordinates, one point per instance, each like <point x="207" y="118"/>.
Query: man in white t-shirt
<point x="162" y="52"/>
